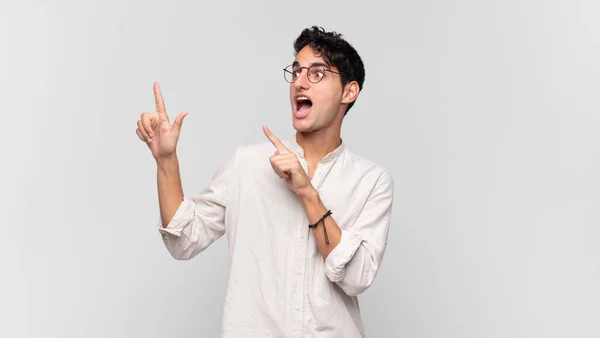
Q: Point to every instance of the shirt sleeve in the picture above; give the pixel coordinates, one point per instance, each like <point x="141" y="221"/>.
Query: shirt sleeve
<point x="354" y="262"/>
<point x="200" y="219"/>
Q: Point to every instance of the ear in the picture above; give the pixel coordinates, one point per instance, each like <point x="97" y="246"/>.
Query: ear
<point x="350" y="92"/>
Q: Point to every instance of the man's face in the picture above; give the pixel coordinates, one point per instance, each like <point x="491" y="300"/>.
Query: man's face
<point x="314" y="105"/>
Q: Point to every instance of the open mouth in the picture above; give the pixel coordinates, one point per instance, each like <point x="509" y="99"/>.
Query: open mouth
<point x="303" y="105"/>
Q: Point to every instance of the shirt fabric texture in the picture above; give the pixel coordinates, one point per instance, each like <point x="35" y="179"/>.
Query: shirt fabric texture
<point x="278" y="284"/>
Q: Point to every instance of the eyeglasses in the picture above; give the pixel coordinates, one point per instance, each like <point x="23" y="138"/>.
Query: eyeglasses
<point x="315" y="72"/>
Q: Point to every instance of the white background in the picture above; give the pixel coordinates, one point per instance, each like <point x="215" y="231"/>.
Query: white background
<point x="486" y="112"/>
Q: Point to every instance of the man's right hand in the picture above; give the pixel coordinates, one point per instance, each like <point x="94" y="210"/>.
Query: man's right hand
<point x="155" y="129"/>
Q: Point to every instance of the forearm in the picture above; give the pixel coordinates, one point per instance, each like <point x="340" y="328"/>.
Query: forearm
<point x="315" y="210"/>
<point x="170" y="192"/>
<point x="354" y="253"/>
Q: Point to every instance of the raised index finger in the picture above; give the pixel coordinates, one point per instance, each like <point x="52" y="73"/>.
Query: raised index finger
<point x="276" y="142"/>
<point x="160" y="103"/>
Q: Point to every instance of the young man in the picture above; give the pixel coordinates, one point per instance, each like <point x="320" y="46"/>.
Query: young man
<point x="306" y="219"/>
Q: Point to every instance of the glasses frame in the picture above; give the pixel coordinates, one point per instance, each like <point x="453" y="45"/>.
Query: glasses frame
<point x="285" y="70"/>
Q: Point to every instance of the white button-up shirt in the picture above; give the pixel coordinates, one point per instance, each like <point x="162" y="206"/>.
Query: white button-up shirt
<point x="279" y="285"/>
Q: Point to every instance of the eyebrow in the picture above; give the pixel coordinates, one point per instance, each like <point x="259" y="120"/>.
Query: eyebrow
<point x="297" y="64"/>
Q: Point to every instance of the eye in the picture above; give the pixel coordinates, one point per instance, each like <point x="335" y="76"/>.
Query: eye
<point x="316" y="74"/>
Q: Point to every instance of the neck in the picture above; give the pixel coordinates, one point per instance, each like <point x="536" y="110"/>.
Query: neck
<point x="318" y="144"/>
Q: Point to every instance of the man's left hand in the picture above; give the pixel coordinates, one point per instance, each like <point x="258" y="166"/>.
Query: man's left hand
<point x="286" y="165"/>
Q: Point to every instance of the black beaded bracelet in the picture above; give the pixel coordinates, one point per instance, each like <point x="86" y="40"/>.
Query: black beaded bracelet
<point x="322" y="220"/>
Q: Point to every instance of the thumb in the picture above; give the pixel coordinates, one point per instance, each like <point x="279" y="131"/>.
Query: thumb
<point x="179" y="120"/>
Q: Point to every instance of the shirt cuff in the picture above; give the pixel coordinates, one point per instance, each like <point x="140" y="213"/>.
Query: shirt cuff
<point x="335" y="263"/>
<point x="176" y="225"/>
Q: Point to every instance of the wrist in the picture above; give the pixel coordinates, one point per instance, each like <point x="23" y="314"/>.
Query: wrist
<point x="166" y="159"/>
<point x="167" y="164"/>
<point x="309" y="195"/>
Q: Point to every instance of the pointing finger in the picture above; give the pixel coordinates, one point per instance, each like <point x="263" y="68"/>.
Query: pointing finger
<point x="160" y="103"/>
<point x="276" y="142"/>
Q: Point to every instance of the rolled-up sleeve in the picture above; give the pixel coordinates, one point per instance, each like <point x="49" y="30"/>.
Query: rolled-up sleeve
<point x="200" y="219"/>
<point x="354" y="262"/>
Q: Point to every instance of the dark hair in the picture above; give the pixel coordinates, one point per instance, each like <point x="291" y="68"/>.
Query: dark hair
<point x="336" y="52"/>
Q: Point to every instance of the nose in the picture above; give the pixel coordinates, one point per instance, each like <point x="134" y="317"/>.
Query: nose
<point x="302" y="80"/>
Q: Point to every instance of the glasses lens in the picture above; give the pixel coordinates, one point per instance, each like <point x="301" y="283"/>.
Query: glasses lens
<point x="316" y="73"/>
<point x="289" y="74"/>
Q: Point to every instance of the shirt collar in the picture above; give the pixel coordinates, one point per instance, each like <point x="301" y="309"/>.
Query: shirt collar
<point x="295" y="147"/>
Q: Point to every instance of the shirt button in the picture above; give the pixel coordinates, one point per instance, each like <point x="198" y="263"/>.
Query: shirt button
<point x="303" y="236"/>
<point x="297" y="307"/>
<point x="299" y="272"/>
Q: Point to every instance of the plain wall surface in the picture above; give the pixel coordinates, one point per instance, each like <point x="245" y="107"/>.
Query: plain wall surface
<point x="486" y="113"/>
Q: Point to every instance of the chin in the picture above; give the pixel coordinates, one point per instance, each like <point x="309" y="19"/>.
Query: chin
<point x="303" y="125"/>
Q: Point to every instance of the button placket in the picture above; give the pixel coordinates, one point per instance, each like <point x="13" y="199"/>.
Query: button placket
<point x="298" y="276"/>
